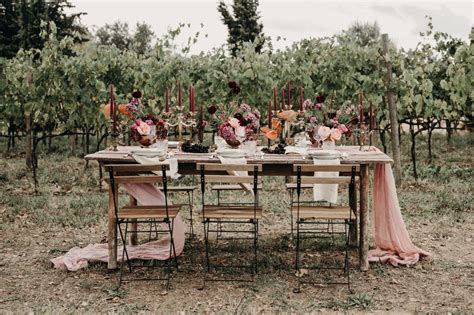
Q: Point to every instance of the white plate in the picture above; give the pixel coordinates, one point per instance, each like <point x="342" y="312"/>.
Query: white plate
<point x="231" y="154"/>
<point x="173" y="144"/>
<point x="324" y="154"/>
<point x="149" y="152"/>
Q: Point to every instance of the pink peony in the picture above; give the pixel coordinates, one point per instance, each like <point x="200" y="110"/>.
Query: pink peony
<point x="324" y="132"/>
<point x="335" y="134"/>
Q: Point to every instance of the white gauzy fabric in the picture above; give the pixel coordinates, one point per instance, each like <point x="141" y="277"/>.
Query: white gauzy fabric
<point x="298" y="150"/>
<point x="326" y="192"/>
<point x="173" y="163"/>
<point x="247" y="187"/>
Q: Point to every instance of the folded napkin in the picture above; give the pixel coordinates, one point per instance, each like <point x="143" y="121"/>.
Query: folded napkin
<point x="325" y="192"/>
<point x="173" y="163"/>
<point x="298" y="150"/>
<point x="247" y="187"/>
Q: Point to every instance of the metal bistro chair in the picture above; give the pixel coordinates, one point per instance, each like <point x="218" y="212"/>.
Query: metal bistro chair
<point x="320" y="214"/>
<point x="228" y="214"/>
<point x="291" y="188"/>
<point x="120" y="174"/>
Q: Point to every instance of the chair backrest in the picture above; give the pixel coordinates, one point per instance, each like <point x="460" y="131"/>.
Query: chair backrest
<point x="308" y="178"/>
<point x="137" y="174"/>
<point x="228" y="173"/>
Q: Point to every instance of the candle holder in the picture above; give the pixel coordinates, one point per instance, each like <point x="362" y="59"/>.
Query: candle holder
<point x="363" y="134"/>
<point x="114" y="135"/>
<point x="182" y="122"/>
<point x="288" y="126"/>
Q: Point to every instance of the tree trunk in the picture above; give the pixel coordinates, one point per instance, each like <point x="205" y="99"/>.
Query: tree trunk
<point x="382" y="140"/>
<point x="413" y="150"/>
<point x="430" y="134"/>
<point x="449" y="131"/>
<point x="393" y="115"/>
<point x="29" y="143"/>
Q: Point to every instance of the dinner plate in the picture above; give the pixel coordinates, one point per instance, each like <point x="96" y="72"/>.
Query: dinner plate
<point x="149" y="152"/>
<point x="324" y="154"/>
<point x="173" y="144"/>
<point x="231" y="154"/>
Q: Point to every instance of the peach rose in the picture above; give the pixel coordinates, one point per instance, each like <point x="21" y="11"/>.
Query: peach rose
<point x="335" y="134"/>
<point x="234" y="122"/>
<point x="324" y="132"/>
<point x="144" y="129"/>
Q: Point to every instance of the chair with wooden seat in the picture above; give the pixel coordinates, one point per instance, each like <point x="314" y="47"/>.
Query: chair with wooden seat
<point x="318" y="214"/>
<point x="230" y="215"/>
<point x="291" y="188"/>
<point x="219" y="189"/>
<point x="189" y="190"/>
<point x="121" y="174"/>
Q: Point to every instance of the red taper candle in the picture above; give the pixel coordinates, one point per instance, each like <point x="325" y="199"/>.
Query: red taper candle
<point x="270" y="114"/>
<point x="282" y="99"/>
<point x="289" y="94"/>
<point x="301" y="98"/>
<point x="179" y="93"/>
<point x="361" y="108"/>
<point x="275" y="98"/>
<point x="167" y="108"/>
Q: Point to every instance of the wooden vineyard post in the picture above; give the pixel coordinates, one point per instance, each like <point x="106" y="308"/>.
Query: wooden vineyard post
<point x="394" y="129"/>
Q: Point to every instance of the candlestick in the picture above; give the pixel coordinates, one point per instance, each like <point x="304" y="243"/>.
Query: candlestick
<point x="301" y="98"/>
<point x="182" y="122"/>
<point x="179" y="94"/>
<point x="289" y="94"/>
<point x="167" y="109"/>
<point x="191" y="98"/>
<point x="275" y="98"/>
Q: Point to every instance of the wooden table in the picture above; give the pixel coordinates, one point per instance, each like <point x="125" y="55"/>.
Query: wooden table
<point x="273" y="165"/>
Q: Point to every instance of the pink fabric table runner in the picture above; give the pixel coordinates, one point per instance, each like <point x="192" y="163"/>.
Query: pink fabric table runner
<point x="146" y="194"/>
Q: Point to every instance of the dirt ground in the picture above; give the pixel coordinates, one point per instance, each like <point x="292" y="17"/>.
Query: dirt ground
<point x="37" y="227"/>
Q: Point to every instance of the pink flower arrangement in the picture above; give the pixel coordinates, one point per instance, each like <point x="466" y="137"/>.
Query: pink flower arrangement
<point x="150" y="126"/>
<point x="244" y="125"/>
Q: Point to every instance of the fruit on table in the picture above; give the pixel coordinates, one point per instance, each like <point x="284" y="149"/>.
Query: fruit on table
<point x="194" y="148"/>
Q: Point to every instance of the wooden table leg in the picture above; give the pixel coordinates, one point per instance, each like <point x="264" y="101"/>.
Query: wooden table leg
<point x="112" y="231"/>
<point x="363" y="217"/>
<point x="133" y="226"/>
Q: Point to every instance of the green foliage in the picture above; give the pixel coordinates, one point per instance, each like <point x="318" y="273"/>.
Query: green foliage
<point x="21" y="23"/>
<point x="243" y="24"/>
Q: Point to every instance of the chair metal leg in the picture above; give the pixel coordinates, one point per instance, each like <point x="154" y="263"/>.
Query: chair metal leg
<point x="190" y="203"/>
<point x="291" y="212"/>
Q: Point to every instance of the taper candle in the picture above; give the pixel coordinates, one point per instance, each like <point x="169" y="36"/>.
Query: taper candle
<point x="289" y="94"/>
<point x="179" y="93"/>
<point x="301" y="98"/>
<point x="270" y="114"/>
<point x="283" y="99"/>
<point x="167" y="109"/>
<point x="275" y="98"/>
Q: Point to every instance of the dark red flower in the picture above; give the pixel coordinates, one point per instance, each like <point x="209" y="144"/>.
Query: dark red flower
<point x="331" y="115"/>
<point x="238" y="116"/>
<point x="243" y="122"/>
<point x="233" y="84"/>
<point x="137" y="94"/>
<point x="320" y="98"/>
<point x="212" y="109"/>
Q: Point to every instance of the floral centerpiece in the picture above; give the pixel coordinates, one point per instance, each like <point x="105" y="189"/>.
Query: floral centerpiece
<point x="243" y="125"/>
<point x="326" y="125"/>
<point x="148" y="130"/>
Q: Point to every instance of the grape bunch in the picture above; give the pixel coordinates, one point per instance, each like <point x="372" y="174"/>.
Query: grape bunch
<point x="194" y="148"/>
<point x="279" y="149"/>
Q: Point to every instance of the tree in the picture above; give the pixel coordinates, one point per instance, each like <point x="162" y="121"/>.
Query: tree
<point x="8" y="29"/>
<point x="243" y="24"/>
<point x="114" y="34"/>
<point x="20" y="23"/>
<point x="361" y="34"/>
<point x="142" y="38"/>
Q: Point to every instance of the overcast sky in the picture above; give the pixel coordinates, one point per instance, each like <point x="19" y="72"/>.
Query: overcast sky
<point x="293" y="20"/>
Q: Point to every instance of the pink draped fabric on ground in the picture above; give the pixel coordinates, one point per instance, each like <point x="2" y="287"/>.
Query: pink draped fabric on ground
<point x="146" y="194"/>
<point x="393" y="244"/>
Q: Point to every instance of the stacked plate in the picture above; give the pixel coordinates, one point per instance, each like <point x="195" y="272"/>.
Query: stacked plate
<point x="149" y="152"/>
<point x="231" y="153"/>
<point x="324" y="154"/>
